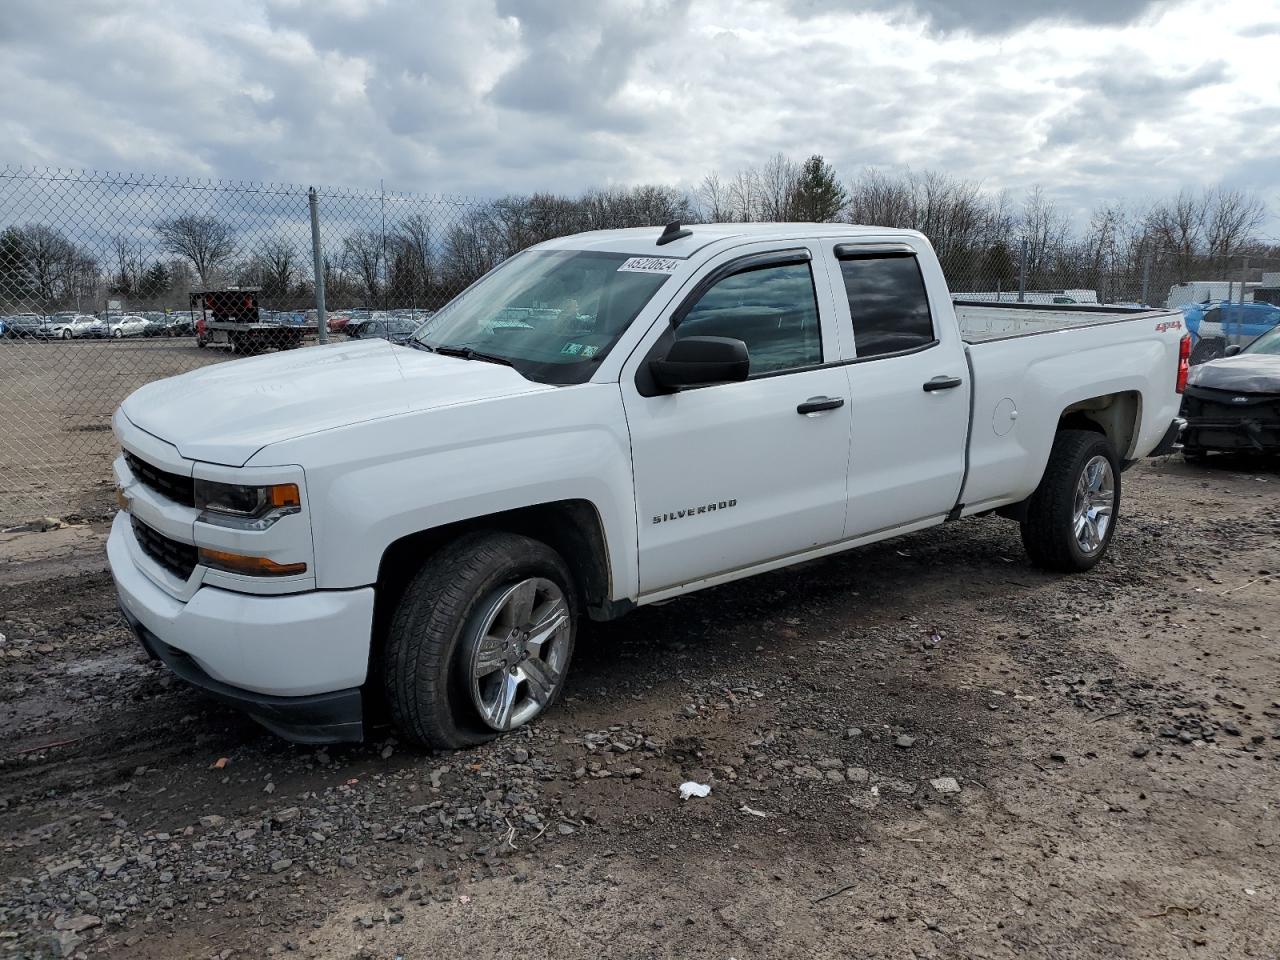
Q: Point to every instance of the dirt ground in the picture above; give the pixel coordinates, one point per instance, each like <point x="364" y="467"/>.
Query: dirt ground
<point x="1114" y="741"/>
<point x="57" y="399"/>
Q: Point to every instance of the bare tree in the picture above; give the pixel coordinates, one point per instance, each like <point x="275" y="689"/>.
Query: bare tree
<point x="49" y="258"/>
<point x="744" y="196"/>
<point x="1177" y="226"/>
<point x="207" y="242"/>
<point x="1043" y="228"/>
<point x="275" y="263"/>
<point x="129" y="264"/>
<point x="363" y="251"/>
<point x="411" y="260"/>
<point x="777" y="183"/>
<point x="1230" y="217"/>
<point x="713" y="200"/>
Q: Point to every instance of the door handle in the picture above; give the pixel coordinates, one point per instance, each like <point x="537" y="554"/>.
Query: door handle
<point x="942" y="383"/>
<point x="818" y="404"/>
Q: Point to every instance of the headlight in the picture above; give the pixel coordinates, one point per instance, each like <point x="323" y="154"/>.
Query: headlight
<point x="245" y="508"/>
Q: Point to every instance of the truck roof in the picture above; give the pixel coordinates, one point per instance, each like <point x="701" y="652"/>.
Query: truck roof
<point x="644" y="240"/>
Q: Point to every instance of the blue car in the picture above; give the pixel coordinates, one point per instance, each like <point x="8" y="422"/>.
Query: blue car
<point x="1218" y="324"/>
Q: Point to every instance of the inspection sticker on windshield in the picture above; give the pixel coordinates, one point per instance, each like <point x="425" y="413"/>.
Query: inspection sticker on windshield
<point x="650" y="265"/>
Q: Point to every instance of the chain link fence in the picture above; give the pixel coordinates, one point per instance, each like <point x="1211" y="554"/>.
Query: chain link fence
<point x="110" y="281"/>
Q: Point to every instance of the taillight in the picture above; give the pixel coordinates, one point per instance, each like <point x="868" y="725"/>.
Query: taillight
<point x="1184" y="362"/>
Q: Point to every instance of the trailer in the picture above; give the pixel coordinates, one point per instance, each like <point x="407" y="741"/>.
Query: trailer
<point x="230" y="318"/>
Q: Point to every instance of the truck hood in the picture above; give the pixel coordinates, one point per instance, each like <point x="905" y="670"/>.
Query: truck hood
<point x="227" y="412"/>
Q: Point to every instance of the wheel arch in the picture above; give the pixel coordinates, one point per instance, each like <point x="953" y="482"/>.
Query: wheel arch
<point x="1118" y="416"/>
<point x="573" y="528"/>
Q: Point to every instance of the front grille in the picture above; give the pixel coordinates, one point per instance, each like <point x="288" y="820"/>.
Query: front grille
<point x="178" y="558"/>
<point x="178" y="488"/>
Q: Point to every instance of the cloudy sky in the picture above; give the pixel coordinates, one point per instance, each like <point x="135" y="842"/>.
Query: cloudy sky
<point x="1094" y="99"/>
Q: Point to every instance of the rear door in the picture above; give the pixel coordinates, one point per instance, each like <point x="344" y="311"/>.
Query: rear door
<point x="908" y="387"/>
<point x="731" y="475"/>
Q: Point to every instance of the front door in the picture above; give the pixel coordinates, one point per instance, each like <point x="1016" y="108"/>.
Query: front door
<point x="731" y="475"/>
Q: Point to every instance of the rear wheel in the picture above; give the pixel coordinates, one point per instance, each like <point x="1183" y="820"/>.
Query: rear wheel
<point x="1071" y="517"/>
<point x="481" y="640"/>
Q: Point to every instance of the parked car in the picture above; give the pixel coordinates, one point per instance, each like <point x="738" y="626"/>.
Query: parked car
<point x="395" y="329"/>
<point x="1233" y="403"/>
<point x="129" y="325"/>
<point x="75" y="327"/>
<point x="26" y="326"/>
<point x="1218" y="325"/>
<point x="657" y="412"/>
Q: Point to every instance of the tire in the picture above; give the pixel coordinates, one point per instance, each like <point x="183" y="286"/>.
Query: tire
<point x="118" y="334"/>
<point x="66" y="334"/>
<point x="428" y="663"/>
<point x="1049" y="528"/>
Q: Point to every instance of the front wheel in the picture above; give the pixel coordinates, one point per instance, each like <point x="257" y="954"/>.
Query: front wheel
<point x="117" y="334"/>
<point x="66" y="334"/>
<point x="1071" y="517"/>
<point x="480" y="642"/>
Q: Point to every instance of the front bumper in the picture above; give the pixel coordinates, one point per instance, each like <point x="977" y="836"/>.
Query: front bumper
<point x="1245" y="434"/>
<point x="294" y="662"/>
<point x="1231" y="420"/>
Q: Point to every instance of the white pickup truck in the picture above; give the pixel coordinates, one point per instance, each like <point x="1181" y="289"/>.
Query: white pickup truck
<point x="606" y="420"/>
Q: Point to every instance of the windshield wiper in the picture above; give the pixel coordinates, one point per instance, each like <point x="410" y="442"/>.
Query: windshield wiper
<point x="471" y="353"/>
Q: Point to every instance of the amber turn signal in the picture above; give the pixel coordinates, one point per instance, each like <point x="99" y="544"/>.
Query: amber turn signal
<point x="285" y="495"/>
<point x="250" y="566"/>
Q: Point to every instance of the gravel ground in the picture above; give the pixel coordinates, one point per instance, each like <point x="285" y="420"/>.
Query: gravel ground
<point x="926" y="748"/>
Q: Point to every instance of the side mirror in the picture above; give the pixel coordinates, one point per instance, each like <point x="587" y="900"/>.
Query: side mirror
<point x="1232" y="350"/>
<point x="696" y="361"/>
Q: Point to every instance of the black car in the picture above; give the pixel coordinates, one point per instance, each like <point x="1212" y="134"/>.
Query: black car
<point x="395" y="329"/>
<point x="1234" y="403"/>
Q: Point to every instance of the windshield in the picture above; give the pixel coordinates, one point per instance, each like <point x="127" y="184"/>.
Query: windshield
<point x="553" y="314"/>
<point x="1269" y="342"/>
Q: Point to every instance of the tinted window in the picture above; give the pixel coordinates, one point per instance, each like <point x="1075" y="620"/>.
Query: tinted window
<point x="888" y="304"/>
<point x="773" y="310"/>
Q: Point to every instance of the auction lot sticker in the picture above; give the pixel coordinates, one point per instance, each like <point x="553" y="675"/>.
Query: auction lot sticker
<point x="650" y="265"/>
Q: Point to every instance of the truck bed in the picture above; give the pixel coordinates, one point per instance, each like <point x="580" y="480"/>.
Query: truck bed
<point x="981" y="321"/>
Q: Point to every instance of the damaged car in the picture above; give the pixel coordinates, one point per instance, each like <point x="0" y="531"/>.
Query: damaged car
<point x="1234" y="403"/>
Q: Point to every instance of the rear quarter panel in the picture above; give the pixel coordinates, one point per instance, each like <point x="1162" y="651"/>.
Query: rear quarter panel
<point x="1043" y="374"/>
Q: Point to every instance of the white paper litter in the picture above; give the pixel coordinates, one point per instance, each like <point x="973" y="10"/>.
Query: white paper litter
<point x="945" y="785"/>
<point x="691" y="788"/>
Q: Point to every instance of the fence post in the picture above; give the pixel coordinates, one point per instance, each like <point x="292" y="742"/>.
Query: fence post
<point x="1022" y="273"/>
<point x="322" y="318"/>
<point x="1244" y="273"/>
<point x="1146" y="278"/>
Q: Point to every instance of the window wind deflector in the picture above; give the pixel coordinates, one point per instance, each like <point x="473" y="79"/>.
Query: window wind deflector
<point x="856" y="251"/>
<point x="752" y="261"/>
